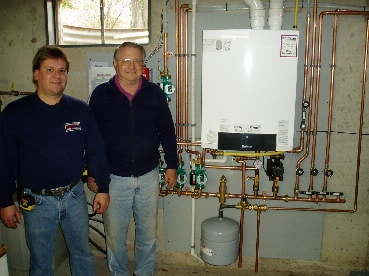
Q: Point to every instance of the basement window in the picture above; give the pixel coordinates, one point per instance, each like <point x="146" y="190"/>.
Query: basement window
<point x="97" y="22"/>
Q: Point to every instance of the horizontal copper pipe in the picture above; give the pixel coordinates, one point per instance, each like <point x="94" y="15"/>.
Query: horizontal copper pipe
<point x="313" y="199"/>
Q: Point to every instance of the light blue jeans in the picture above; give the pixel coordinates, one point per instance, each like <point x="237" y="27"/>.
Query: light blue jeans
<point x="41" y="226"/>
<point x="140" y="196"/>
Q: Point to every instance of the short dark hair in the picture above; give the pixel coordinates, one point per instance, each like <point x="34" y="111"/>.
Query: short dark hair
<point x="47" y="52"/>
<point x="132" y="45"/>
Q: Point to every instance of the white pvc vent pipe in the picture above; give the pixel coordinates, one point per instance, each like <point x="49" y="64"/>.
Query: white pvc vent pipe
<point x="257" y="14"/>
<point x="275" y="15"/>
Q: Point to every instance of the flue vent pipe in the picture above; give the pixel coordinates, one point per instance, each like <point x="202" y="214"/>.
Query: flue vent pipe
<point x="275" y="15"/>
<point x="257" y="14"/>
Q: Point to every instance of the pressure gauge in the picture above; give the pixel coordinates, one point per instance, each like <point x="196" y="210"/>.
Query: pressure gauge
<point x="258" y="164"/>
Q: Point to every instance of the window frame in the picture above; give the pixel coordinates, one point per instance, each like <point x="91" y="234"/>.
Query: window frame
<point x="52" y="28"/>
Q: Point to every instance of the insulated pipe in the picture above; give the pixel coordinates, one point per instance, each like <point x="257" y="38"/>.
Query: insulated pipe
<point x="257" y="14"/>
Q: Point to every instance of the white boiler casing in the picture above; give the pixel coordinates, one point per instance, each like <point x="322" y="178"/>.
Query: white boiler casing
<point x="249" y="89"/>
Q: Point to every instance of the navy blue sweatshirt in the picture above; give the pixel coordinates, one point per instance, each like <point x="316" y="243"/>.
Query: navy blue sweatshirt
<point x="133" y="131"/>
<point x="48" y="146"/>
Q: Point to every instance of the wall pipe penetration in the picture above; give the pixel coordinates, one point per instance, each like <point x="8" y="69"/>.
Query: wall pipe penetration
<point x="308" y="127"/>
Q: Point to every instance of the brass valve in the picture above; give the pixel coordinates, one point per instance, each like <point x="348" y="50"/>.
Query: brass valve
<point x="196" y="193"/>
<point x="222" y="189"/>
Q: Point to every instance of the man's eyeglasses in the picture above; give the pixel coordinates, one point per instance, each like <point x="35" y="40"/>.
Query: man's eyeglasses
<point x="126" y="62"/>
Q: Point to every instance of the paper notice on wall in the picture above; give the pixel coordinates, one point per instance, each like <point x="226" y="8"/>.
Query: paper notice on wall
<point x="98" y="75"/>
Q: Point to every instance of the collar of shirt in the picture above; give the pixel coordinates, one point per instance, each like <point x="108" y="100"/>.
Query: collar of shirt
<point x="124" y="92"/>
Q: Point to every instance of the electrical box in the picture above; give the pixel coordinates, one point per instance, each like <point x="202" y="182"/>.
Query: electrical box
<point x="249" y="89"/>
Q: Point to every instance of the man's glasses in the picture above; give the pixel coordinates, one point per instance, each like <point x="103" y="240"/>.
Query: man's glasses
<point x="126" y="62"/>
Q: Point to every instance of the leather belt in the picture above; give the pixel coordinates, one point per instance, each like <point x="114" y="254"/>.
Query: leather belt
<point x="57" y="191"/>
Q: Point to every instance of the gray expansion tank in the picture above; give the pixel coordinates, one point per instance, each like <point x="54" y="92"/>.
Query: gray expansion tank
<point x="219" y="241"/>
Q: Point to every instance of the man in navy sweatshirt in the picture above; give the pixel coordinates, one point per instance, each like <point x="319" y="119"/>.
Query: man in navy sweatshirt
<point x="134" y="120"/>
<point x="48" y="139"/>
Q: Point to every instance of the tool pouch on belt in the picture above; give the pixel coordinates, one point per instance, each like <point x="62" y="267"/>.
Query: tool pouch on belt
<point x="26" y="201"/>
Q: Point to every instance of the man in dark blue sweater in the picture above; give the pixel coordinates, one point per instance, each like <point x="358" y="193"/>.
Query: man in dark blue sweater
<point x="49" y="138"/>
<point x="134" y="120"/>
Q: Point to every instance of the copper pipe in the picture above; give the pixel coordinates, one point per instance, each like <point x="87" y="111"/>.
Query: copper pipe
<point x="316" y="102"/>
<point x="256" y="182"/>
<point x="182" y="125"/>
<point x="242" y="214"/>
<point x="336" y="13"/>
<point x="165" y="55"/>
<point x="178" y="86"/>
<point x="330" y="106"/>
<point x="15" y="93"/>
<point x="307" y="148"/>
<point x="190" y="143"/>
<point x="184" y="16"/>
<point x="257" y="240"/>
<point x="362" y="105"/>
<point x="178" y="79"/>
<point x="311" y="209"/>
<point x="311" y="199"/>
<point x="300" y="148"/>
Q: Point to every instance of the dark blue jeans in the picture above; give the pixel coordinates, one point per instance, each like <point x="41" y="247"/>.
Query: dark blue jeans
<point x="41" y="225"/>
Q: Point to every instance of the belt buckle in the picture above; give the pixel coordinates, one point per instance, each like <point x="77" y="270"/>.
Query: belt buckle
<point x="58" y="191"/>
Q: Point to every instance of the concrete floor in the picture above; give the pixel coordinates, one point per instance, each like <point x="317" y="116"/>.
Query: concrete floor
<point x="183" y="264"/>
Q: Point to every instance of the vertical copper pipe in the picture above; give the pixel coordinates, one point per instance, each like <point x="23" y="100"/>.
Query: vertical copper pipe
<point x="242" y="213"/>
<point x="257" y="240"/>
<point x="165" y="55"/>
<point x="183" y="73"/>
<point x="362" y="105"/>
<point x="186" y="11"/>
<point x="304" y="93"/>
<point x="180" y="73"/>
<point x="311" y="91"/>
<point x="300" y="148"/>
<point x="316" y="104"/>
<point x="330" y="106"/>
<point x="179" y="87"/>
<point x="336" y="13"/>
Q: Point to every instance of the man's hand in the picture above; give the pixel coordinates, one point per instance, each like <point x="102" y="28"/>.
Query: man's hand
<point x="170" y="178"/>
<point x="91" y="184"/>
<point x="10" y="216"/>
<point x="101" y="202"/>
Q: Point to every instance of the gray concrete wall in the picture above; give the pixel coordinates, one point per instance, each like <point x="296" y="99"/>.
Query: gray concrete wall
<point x="332" y="238"/>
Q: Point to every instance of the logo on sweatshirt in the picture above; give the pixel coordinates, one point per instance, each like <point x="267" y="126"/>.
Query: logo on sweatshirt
<point x="74" y="126"/>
